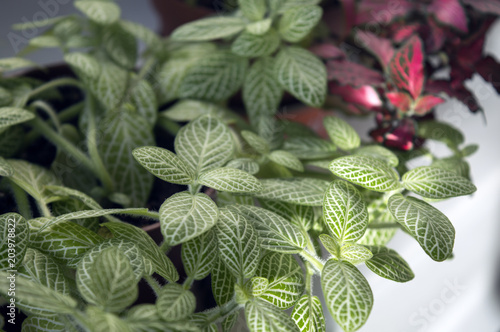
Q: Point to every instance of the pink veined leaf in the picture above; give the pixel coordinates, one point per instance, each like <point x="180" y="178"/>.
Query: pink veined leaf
<point x="489" y="69"/>
<point x="485" y="6"/>
<point x="380" y="47"/>
<point x="404" y="32"/>
<point x="327" y="51"/>
<point x="426" y="103"/>
<point x="365" y="96"/>
<point x="407" y="67"/>
<point x="449" y="12"/>
<point x="401" y="100"/>
<point x="351" y="73"/>
<point x="382" y="12"/>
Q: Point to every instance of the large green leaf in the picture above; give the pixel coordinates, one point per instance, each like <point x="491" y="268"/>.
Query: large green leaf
<point x="429" y="226"/>
<point x="250" y="45"/>
<point x="120" y="46"/>
<point x="453" y="164"/>
<point x="222" y="282"/>
<point x="84" y="65"/>
<point x="433" y="182"/>
<point x="275" y="232"/>
<point x="302" y="74"/>
<point x="388" y="264"/>
<point x="442" y="132"/>
<point x="184" y="216"/>
<point x="258" y="143"/>
<point x="111" y="86"/>
<point x="308" y="314"/>
<point x="199" y="254"/>
<point x="106" y="279"/>
<point x="144" y="99"/>
<point x="14" y="237"/>
<point x="354" y="253"/>
<point x="344" y="211"/>
<point x="310" y="147"/>
<point x="300" y="191"/>
<point x="237" y="242"/>
<point x="209" y="28"/>
<point x="75" y="194"/>
<point x="379" y="152"/>
<point x="230" y="179"/>
<point x="347" y="293"/>
<point x="262" y="316"/>
<point x="175" y="303"/>
<point x="285" y="279"/>
<point x="297" y="22"/>
<point x="365" y="171"/>
<point x="341" y="133"/>
<point x="204" y="144"/>
<point x="10" y="116"/>
<point x="40" y="324"/>
<point x="245" y="164"/>
<point x="261" y="92"/>
<point x="102" y="12"/>
<point x="253" y="9"/>
<point x="299" y="215"/>
<point x="161" y="263"/>
<point x="286" y="159"/>
<point x="186" y="110"/>
<point x="164" y="164"/>
<point x="217" y="76"/>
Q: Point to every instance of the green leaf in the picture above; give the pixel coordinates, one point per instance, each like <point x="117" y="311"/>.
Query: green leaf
<point x="14" y="238"/>
<point x="469" y="150"/>
<point x="75" y="194"/>
<point x="440" y="131"/>
<point x="237" y="242"/>
<point x="124" y="132"/>
<point x="379" y="214"/>
<point x="164" y="164"/>
<point x="106" y="279"/>
<point x="141" y="32"/>
<point x="296" y="23"/>
<point x="101" y="12"/>
<point x="300" y="191"/>
<point x="286" y="159"/>
<point x="377" y="151"/>
<point x="355" y="254"/>
<point x="330" y="244"/>
<point x="144" y="99"/>
<point x="199" y="254"/>
<point x="262" y="316"/>
<point x="41" y="324"/>
<point x="217" y="76"/>
<point x="244" y="164"/>
<point x="275" y="232"/>
<point x="101" y="321"/>
<point x="260" y="27"/>
<point x="250" y="45"/>
<point x="5" y="97"/>
<point x="253" y="9"/>
<point x="111" y="86"/>
<point x="230" y="179"/>
<point x="302" y="74"/>
<point x="66" y="241"/>
<point x="13" y="63"/>
<point x="45" y="41"/>
<point x="308" y="314"/>
<point x="367" y="172"/>
<point x="426" y="224"/>
<point x="120" y="46"/>
<point x="10" y="141"/>
<point x="230" y="321"/>
<point x="256" y="142"/>
<point x="144" y="318"/>
<point x="175" y="303"/>
<point x="388" y="264"/>
<point x="209" y="28"/>
<point x="341" y="133"/>
<point x="261" y="91"/>
<point x="84" y="65"/>
<point x="347" y="293"/>
<point x="222" y="282"/>
<point x="285" y="277"/>
<point x="184" y="216"/>
<point x="310" y="147"/>
<point x="299" y="215"/>
<point x="453" y="164"/>
<point x="189" y="109"/>
<point x="10" y="116"/>
<point x="256" y="286"/>
<point x="433" y="182"/>
<point x="344" y="211"/>
<point x="204" y="144"/>
<point x="35" y="297"/>
<point x="161" y="263"/>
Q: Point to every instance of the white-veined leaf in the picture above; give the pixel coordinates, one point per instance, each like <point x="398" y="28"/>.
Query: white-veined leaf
<point x="204" y="144"/>
<point x="262" y="316"/>
<point x="10" y="116"/>
<point x="102" y="12"/>
<point x="84" y="65"/>
<point x="388" y="264"/>
<point x="300" y="191"/>
<point x="175" y="303"/>
<point x="144" y="99"/>
<point x="330" y="244"/>
<point x="217" y="76"/>
<point x="453" y="164"/>
<point x="302" y="74"/>
<point x="367" y="172"/>
<point x="244" y="164"/>
<point x="102" y="321"/>
<point x="13" y="63"/>
<point x="41" y="324"/>
<point x="344" y="211"/>
<point x="75" y="194"/>
<point x="299" y="215"/>
<point x="297" y="22"/>
<point x="308" y="314"/>
<point x="379" y="214"/>
<point x="433" y="182"/>
<point x="184" y="216"/>
<point x="189" y="109"/>
<point x="286" y="159"/>
<point x="250" y="45"/>
<point x="310" y="147"/>
<point x="429" y="226"/>
<point x="14" y="238"/>
<point x="237" y="242"/>
<point x="230" y="321"/>
<point x="260" y="27"/>
<point x="141" y="32"/>
<point x="256" y="286"/>
<point x="230" y="179"/>
<point x="253" y="9"/>
<point x="256" y="142"/>
<point x="354" y="253"/>
<point x="199" y="254"/>
<point x="209" y="28"/>
<point x="145" y="318"/>
<point x="111" y="86"/>
<point x="45" y="41"/>
<point x="341" y="133"/>
<point x="164" y="164"/>
<point x="120" y="46"/>
<point x="440" y="131"/>
<point x="347" y="293"/>
<point x="275" y="232"/>
<point x="285" y="279"/>
<point x="379" y="152"/>
<point x="222" y="282"/>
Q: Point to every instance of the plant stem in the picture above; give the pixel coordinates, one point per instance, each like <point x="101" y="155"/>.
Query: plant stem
<point x="54" y="84"/>
<point x="50" y="112"/>
<point x="316" y="262"/>
<point x="222" y="311"/>
<point x="309" y="279"/>
<point x="153" y="283"/>
<point x="188" y="282"/>
<point x="164" y="247"/>
<point x="168" y="125"/>
<point x="44" y="209"/>
<point x="21" y="198"/>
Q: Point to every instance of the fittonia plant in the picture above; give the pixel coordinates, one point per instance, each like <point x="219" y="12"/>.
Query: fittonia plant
<point x="261" y="197"/>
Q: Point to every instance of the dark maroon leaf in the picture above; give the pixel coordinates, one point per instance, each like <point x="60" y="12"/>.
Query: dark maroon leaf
<point x="327" y="51"/>
<point x="402" y="101"/>
<point x="349" y="7"/>
<point x="485" y="6"/>
<point x="489" y="69"/>
<point x="351" y="73"/>
<point x="449" y="12"/>
<point x="436" y="36"/>
<point x="407" y="67"/>
<point x="380" y="47"/>
<point x="426" y="103"/>
<point x="401" y="136"/>
<point x="382" y="12"/>
<point x="457" y="91"/>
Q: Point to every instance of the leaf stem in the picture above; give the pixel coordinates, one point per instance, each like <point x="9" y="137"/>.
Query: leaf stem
<point x="315" y="261"/>
<point x="54" y="84"/>
<point x="49" y="111"/>
<point x="309" y="279"/>
<point x="153" y="283"/>
<point x="168" y="125"/>
<point x="43" y="208"/>
<point x="188" y="282"/>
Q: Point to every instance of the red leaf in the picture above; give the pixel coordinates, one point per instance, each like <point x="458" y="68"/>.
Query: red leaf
<point x="449" y="12"/>
<point x="349" y="7"/>
<point x="489" y="69"/>
<point x="456" y="91"/>
<point x="407" y="67"/>
<point x="401" y="100"/>
<point x="351" y="73"/>
<point x="404" y="32"/>
<point x="380" y="47"/>
<point x="436" y="36"/>
<point x="426" y="103"/>
<point x="382" y="12"/>
<point x="365" y="96"/>
<point x="402" y="136"/>
<point x="327" y="51"/>
<point x="485" y="6"/>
